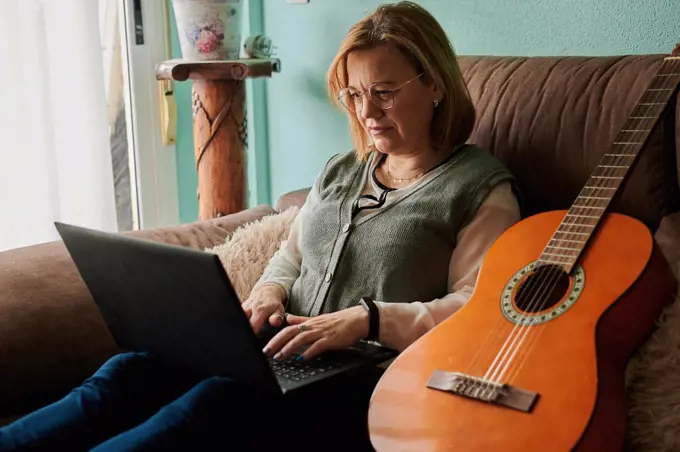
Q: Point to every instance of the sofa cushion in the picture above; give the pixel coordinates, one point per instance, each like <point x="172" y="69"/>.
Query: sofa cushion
<point x="550" y="119"/>
<point x="294" y="198"/>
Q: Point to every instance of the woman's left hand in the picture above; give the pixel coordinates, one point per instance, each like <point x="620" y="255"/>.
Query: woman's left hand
<point x="326" y="332"/>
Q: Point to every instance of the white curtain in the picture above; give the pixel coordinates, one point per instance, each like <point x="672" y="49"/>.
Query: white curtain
<point x="55" y="159"/>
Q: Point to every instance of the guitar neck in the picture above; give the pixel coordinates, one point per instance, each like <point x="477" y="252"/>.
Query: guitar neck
<point x="574" y="232"/>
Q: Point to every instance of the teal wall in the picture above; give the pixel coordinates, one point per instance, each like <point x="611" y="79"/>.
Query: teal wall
<point x="294" y="127"/>
<point x="187" y="178"/>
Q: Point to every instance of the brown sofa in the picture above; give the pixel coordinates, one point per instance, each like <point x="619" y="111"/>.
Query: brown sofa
<point x="548" y="119"/>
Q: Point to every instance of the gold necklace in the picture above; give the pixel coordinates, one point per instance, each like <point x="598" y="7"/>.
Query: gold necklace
<point x="396" y="180"/>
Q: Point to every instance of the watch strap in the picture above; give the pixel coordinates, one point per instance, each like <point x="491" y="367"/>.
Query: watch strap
<point x="373" y="318"/>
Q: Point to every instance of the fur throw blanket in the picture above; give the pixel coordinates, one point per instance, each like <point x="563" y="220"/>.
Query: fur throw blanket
<point x="653" y="386"/>
<point x="247" y="251"/>
<point x="652" y="377"/>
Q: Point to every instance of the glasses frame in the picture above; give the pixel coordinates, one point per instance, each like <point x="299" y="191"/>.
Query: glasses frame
<point x="392" y="92"/>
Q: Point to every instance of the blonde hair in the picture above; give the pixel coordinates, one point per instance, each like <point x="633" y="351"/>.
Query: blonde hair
<point x="421" y="39"/>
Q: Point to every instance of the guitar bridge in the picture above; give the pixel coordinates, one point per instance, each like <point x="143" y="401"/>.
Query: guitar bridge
<point x="483" y="390"/>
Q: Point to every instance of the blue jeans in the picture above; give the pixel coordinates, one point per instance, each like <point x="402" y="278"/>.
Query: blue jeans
<point x="137" y="402"/>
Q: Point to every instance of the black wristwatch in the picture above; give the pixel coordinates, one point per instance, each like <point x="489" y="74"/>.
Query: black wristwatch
<point x="373" y="318"/>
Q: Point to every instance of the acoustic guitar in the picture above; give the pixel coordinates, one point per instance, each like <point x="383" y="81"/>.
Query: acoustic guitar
<point x="535" y="361"/>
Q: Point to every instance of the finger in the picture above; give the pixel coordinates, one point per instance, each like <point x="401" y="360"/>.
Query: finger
<point x="282" y="338"/>
<point x="317" y="348"/>
<point x="300" y="340"/>
<point x="247" y="308"/>
<point x="276" y="319"/>
<point x="258" y="318"/>
<point x="296" y="319"/>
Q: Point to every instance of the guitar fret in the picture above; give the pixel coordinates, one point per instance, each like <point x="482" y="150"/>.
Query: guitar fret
<point x="619" y="155"/>
<point x="563" y="248"/>
<point x="652" y="103"/>
<point x="597" y="188"/>
<point x="626" y="142"/>
<point x="635" y="130"/>
<point x="660" y="89"/>
<point x="586" y="207"/>
<point x="578" y="224"/>
<point x="607" y="177"/>
<point x="582" y="242"/>
<point x="667" y="75"/>
<point x="592" y="197"/>
<point x="581" y="216"/>
<point x="548" y="261"/>
<point x="613" y="166"/>
<point x="643" y="117"/>
<point x="569" y="232"/>
<point x="562" y="256"/>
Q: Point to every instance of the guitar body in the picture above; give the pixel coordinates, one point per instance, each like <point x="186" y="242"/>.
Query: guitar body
<point x="575" y="361"/>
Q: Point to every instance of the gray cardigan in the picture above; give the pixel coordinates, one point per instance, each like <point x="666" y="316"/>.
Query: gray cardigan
<point x="398" y="253"/>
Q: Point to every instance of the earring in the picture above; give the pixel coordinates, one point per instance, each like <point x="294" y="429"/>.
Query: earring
<point x="436" y="103"/>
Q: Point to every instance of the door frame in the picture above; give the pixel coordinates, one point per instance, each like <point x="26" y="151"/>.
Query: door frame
<point x="153" y="165"/>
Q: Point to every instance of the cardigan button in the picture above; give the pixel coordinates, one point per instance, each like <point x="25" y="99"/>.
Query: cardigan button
<point x="345" y="228"/>
<point x="329" y="275"/>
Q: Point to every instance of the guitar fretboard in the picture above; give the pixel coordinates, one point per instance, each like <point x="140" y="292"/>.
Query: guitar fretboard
<point x="574" y="232"/>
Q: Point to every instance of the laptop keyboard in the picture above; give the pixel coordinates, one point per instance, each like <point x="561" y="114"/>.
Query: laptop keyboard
<point x="300" y="370"/>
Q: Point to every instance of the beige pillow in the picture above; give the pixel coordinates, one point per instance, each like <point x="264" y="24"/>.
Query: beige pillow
<point x="653" y="375"/>
<point x="247" y="251"/>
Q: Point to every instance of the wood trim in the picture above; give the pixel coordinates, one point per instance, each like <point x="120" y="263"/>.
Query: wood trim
<point x="182" y="70"/>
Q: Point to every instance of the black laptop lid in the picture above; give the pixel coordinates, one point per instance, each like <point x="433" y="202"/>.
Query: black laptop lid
<point x="175" y="302"/>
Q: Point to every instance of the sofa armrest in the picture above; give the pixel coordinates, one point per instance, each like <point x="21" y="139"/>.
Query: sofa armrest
<point x="293" y="198"/>
<point x="204" y="234"/>
<point x="52" y="336"/>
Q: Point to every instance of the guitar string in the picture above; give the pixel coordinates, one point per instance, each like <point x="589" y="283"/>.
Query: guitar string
<point x="555" y="271"/>
<point x="645" y="127"/>
<point x="522" y="326"/>
<point x="526" y="340"/>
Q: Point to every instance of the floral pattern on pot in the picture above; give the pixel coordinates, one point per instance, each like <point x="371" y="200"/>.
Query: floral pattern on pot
<point x="208" y="35"/>
<point x="209" y="29"/>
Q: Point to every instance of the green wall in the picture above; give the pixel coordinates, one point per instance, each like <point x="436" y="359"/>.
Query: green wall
<point x="296" y="129"/>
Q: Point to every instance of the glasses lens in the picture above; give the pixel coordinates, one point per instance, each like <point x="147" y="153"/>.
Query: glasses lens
<point x="382" y="97"/>
<point x="351" y="100"/>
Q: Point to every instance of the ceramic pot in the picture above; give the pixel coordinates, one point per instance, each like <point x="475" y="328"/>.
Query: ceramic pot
<point x="209" y="29"/>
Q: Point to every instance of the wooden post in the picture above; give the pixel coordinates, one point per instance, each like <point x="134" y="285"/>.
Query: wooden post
<point x="220" y="127"/>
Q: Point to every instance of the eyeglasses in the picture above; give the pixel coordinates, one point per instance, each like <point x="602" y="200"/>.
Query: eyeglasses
<point x="353" y="99"/>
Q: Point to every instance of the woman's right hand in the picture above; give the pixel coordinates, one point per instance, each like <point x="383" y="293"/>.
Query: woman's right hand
<point x="265" y="304"/>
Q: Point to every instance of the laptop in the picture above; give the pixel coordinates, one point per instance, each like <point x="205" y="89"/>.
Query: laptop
<point x="179" y="304"/>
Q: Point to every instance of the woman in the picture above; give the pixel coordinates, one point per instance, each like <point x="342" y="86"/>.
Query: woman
<point x="387" y="245"/>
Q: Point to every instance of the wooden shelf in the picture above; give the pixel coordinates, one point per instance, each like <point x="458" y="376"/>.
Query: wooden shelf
<point x="181" y="70"/>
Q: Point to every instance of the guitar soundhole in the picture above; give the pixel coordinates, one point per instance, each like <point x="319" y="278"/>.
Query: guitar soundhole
<point x="542" y="289"/>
